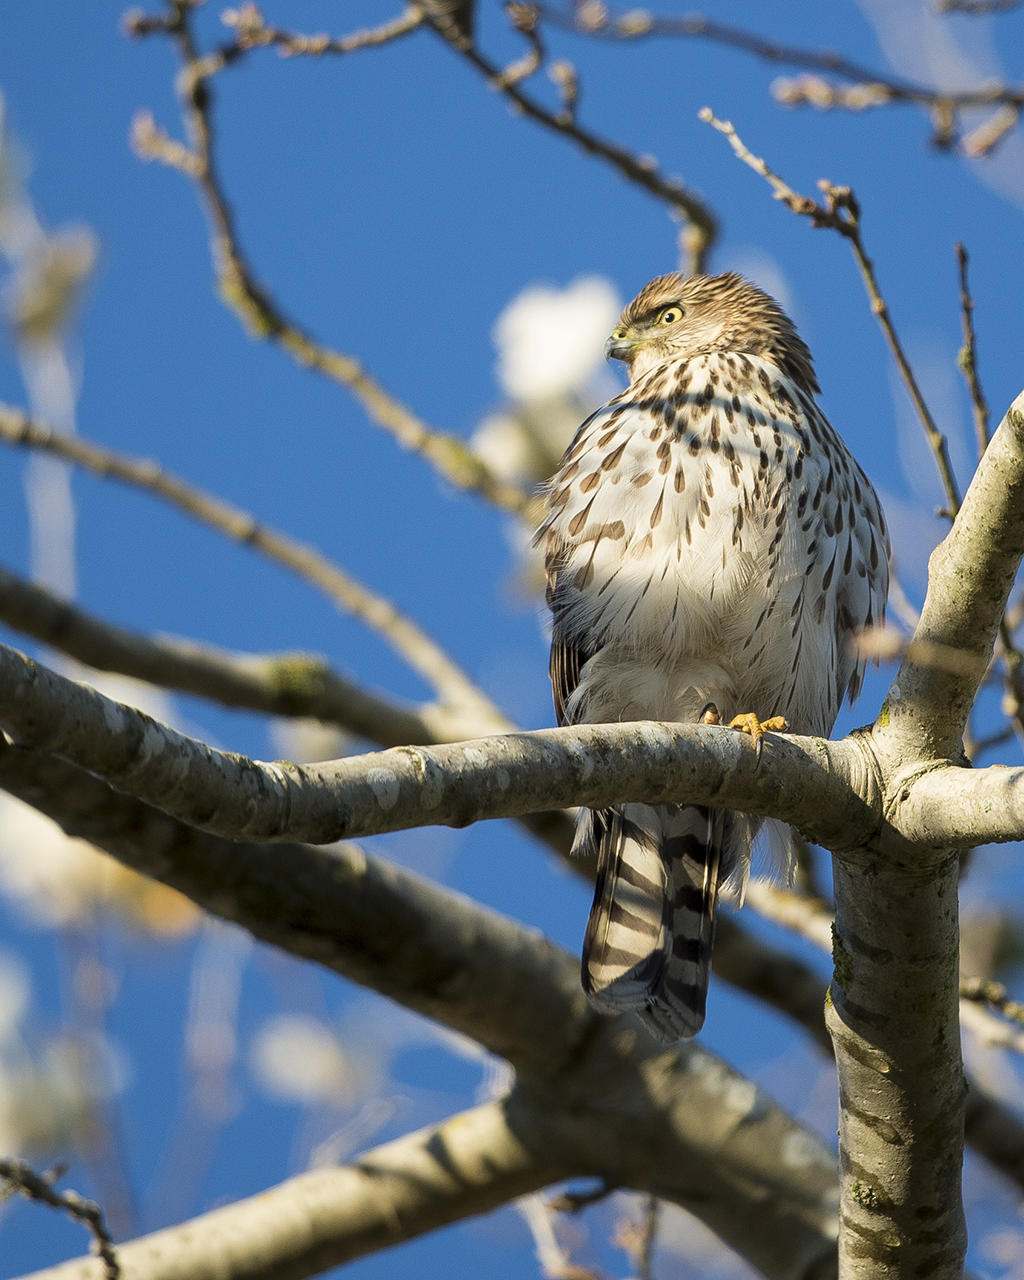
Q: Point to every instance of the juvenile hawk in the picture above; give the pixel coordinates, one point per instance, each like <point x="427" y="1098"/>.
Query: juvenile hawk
<point x="709" y="539"/>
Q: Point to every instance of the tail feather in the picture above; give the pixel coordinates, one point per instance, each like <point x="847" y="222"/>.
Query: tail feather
<point x="651" y="928"/>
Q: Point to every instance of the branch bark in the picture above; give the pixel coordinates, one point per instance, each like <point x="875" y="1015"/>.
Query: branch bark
<point x="679" y="1124"/>
<point x="970" y="575"/>
<point x="290" y="684"/>
<point x="824" y="787"/>
<point x="473" y="1162"/>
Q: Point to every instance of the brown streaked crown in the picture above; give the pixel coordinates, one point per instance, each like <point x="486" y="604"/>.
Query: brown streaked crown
<point x="720" y="313"/>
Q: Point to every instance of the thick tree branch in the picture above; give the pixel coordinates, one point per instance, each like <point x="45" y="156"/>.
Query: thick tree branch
<point x="288" y="684"/>
<point x="471" y="1163"/>
<point x="970" y="576"/>
<point x="676" y="1123"/>
<point x="808" y="782"/>
<point x="408" y="640"/>
<point x="828" y="789"/>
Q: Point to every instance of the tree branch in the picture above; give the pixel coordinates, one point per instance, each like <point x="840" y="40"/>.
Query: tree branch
<point x="467" y="1165"/>
<point x="21" y="1176"/>
<point x="639" y="170"/>
<point x="252" y="32"/>
<point x="841" y="213"/>
<point x="864" y="88"/>
<point x="805" y="781"/>
<point x="248" y="299"/>
<point x="408" y="640"/>
<point x="970" y="576"/>
<point x="678" y="1123"/>
<point x="284" y="684"/>
<point x="288" y="684"/>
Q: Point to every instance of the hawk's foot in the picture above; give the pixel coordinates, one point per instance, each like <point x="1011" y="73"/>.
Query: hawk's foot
<point x="709" y="715"/>
<point x="749" y="723"/>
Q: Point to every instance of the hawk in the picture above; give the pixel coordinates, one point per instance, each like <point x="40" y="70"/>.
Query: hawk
<point x="711" y="548"/>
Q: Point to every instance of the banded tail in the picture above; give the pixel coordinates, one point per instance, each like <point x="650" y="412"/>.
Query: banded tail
<point x="652" y="925"/>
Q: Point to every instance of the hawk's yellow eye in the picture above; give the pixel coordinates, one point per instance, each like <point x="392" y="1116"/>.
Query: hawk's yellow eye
<point x="670" y="315"/>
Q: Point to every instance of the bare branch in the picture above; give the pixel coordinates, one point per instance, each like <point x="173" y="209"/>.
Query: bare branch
<point x="624" y="1109"/>
<point x="467" y="1165"/>
<point x="967" y="361"/>
<point x="810" y="917"/>
<point x="421" y="652"/>
<point x="971" y="574"/>
<point x="285" y="684"/>
<point x="252" y="32"/>
<point x="988" y="991"/>
<point x="523" y="18"/>
<point x="642" y="171"/>
<point x="841" y="213"/>
<point x="864" y="88"/>
<point x="805" y="781"/>
<point x="237" y="284"/>
<point x="812" y="784"/>
<point x="983" y="140"/>
<point x="40" y="1187"/>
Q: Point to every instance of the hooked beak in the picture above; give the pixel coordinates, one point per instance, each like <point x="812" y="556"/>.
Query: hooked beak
<point x="619" y="348"/>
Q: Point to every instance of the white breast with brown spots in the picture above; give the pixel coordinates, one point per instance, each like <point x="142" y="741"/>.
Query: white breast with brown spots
<point x="710" y="538"/>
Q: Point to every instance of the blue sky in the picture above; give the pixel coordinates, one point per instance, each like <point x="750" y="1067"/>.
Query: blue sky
<point x="394" y="206"/>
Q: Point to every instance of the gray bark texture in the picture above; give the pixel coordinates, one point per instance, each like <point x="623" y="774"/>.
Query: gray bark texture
<point x="593" y="1096"/>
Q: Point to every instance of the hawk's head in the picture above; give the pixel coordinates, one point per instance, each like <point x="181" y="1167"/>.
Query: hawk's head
<point x="677" y="317"/>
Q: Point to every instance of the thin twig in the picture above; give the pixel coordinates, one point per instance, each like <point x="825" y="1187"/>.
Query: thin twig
<point x="637" y="1238"/>
<point x="648" y="1236"/>
<point x="983" y="140"/>
<point x="40" y="1187"/>
<point x="864" y="88"/>
<point x="252" y="33"/>
<point x="967" y="360"/>
<point x="419" y="650"/>
<point x="643" y="171"/>
<point x="841" y="212"/>
<point x="987" y="991"/>
<point x="523" y="18"/>
<point x="237" y="283"/>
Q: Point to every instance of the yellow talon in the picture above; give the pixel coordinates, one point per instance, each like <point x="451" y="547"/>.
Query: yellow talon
<point x="749" y="723"/>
